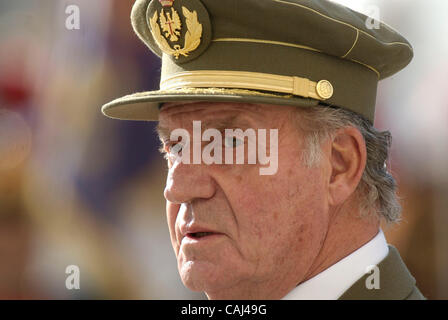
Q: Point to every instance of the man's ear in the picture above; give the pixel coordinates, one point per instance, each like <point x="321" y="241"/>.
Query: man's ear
<point x="347" y="159"/>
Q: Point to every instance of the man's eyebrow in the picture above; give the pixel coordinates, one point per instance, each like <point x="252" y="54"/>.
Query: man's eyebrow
<point x="233" y="122"/>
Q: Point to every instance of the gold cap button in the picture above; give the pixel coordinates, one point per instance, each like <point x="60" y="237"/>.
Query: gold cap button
<point x="324" y="89"/>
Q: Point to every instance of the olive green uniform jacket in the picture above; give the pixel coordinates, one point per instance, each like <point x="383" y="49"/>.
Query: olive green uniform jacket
<point x="396" y="282"/>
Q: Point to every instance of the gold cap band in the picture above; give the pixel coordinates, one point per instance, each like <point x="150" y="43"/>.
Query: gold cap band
<point x="249" y="80"/>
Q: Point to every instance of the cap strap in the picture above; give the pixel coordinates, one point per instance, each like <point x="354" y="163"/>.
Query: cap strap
<point x="298" y="86"/>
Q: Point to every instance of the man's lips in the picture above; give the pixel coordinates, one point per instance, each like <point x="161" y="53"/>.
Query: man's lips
<point x="198" y="235"/>
<point x="197" y="232"/>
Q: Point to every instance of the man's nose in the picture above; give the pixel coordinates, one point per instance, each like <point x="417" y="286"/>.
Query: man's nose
<point x="187" y="182"/>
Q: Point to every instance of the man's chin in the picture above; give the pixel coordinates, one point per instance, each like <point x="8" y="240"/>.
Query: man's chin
<point x="203" y="276"/>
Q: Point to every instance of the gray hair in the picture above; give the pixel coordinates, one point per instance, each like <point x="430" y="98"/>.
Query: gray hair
<point x="377" y="188"/>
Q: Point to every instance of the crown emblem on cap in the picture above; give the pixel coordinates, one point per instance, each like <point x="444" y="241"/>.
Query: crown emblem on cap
<point x="166" y="3"/>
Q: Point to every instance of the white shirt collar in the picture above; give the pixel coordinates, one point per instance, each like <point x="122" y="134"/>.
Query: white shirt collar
<point x="331" y="283"/>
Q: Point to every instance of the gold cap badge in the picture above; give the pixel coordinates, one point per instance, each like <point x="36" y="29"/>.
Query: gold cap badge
<point x="180" y="28"/>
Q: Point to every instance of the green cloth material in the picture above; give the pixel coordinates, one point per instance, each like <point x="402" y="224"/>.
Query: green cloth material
<point x="396" y="282"/>
<point x="307" y="39"/>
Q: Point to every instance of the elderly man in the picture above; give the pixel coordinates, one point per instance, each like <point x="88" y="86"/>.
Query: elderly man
<point x="306" y="72"/>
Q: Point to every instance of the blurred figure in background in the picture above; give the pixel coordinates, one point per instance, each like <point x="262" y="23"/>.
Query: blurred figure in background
<point x="52" y="79"/>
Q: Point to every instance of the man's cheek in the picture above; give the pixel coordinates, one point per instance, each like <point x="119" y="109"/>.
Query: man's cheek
<point x="172" y="211"/>
<point x="252" y="240"/>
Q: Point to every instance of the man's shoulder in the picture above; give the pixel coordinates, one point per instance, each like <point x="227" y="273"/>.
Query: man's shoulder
<point x="391" y="281"/>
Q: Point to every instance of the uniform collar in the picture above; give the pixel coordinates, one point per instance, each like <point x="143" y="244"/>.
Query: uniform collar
<point x="331" y="283"/>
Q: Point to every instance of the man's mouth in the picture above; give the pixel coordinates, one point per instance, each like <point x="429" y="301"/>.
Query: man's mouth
<point x="194" y="232"/>
<point x="198" y="235"/>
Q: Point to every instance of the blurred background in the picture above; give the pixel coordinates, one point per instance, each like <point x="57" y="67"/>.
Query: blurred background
<point x="77" y="188"/>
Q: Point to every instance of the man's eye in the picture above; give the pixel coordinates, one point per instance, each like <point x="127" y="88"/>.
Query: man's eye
<point x="232" y="142"/>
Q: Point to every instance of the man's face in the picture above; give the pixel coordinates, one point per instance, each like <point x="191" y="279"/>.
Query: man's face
<point x="263" y="231"/>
